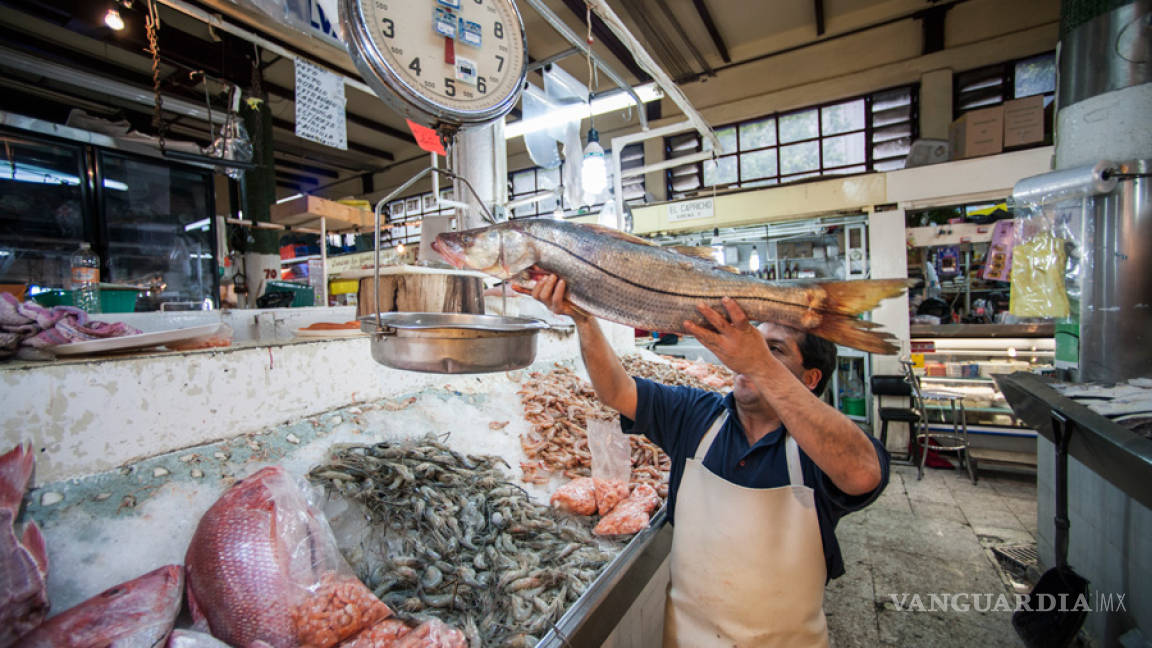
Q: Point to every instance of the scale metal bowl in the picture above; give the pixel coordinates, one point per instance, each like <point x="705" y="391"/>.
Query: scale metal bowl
<point x="452" y="343"/>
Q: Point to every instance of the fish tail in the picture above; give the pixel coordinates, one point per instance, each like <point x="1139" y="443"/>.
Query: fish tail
<point x="855" y="297"/>
<point x="847" y="299"/>
<point x="855" y="333"/>
<point x="15" y="471"/>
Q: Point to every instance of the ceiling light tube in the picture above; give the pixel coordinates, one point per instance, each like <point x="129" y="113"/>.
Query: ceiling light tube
<point x="605" y="103"/>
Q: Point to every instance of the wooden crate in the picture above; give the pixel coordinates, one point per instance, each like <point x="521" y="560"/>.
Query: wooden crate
<point x="306" y="212"/>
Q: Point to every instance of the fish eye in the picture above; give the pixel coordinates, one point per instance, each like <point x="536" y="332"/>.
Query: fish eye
<point x="115" y="591"/>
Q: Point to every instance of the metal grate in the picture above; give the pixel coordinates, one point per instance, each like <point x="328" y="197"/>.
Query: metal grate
<point x="1020" y="557"/>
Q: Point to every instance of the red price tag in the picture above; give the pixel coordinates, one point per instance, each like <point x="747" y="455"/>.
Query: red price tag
<point x="923" y="346"/>
<point x="427" y="138"/>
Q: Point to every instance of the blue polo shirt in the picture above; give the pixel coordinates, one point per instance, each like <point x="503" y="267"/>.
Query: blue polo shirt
<point x="677" y="418"/>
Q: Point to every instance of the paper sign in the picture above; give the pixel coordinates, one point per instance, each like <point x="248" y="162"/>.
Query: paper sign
<point x="320" y="106"/>
<point x="427" y="138"/>
<point x="691" y="210"/>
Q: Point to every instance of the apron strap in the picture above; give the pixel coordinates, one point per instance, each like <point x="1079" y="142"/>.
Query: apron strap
<point x="710" y="436"/>
<point x="792" y="451"/>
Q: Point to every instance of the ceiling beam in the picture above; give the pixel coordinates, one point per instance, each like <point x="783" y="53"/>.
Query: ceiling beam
<point x="284" y="124"/>
<point x="713" y="31"/>
<point x="818" y="5"/>
<point x="391" y="131"/>
<point x="605" y="36"/>
<point x="294" y="177"/>
<point x="312" y="170"/>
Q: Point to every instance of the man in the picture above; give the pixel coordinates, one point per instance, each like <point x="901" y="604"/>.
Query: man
<point x="759" y="477"/>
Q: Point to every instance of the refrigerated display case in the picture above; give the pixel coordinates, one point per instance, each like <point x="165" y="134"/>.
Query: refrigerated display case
<point x="960" y="361"/>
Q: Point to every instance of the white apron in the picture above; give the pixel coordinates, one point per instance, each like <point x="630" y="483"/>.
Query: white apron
<point x="747" y="564"/>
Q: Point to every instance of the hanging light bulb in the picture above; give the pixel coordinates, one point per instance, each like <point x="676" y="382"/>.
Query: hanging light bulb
<point x="594" y="169"/>
<point x="113" y="19"/>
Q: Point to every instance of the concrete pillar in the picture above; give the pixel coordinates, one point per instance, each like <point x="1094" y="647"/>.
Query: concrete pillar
<point x="935" y="104"/>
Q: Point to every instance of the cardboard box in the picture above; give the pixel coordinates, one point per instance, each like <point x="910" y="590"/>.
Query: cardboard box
<point x="977" y="132"/>
<point x="1024" y="121"/>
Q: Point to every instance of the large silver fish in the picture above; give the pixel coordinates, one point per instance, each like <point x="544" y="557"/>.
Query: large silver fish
<point x="625" y="279"/>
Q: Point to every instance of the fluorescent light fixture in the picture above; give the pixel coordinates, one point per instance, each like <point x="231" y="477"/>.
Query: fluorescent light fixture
<point x="41" y="175"/>
<point x="288" y="198"/>
<point x="200" y="224"/>
<point x="606" y="103"/>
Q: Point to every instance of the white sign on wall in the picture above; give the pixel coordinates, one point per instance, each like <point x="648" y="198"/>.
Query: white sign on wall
<point x="320" y="106"/>
<point x="691" y="210"/>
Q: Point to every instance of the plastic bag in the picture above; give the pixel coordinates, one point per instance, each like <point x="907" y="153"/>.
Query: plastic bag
<point x="631" y="515"/>
<point x="577" y="496"/>
<point x="263" y="565"/>
<point x="611" y="462"/>
<point x="1038" y="267"/>
<point x="998" y="266"/>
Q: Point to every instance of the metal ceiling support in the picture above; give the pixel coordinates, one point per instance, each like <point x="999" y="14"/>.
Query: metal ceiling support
<point x="618" y="49"/>
<point x="577" y="41"/>
<point x="932" y="22"/>
<point x="312" y="170"/>
<point x="818" y="5"/>
<point x="42" y="68"/>
<point x="671" y="90"/>
<point x="713" y="31"/>
<point x="353" y="118"/>
<point x="284" y="124"/>
<point x="217" y="22"/>
<point x="671" y="17"/>
<point x="618" y="144"/>
<point x="668" y="53"/>
<point x="298" y="179"/>
<point x="549" y="60"/>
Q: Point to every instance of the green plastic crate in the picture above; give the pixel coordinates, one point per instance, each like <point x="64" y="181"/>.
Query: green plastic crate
<point x="112" y="300"/>
<point x="301" y="295"/>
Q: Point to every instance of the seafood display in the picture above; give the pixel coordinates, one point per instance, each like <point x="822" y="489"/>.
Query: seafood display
<point x="139" y="613"/>
<point x="448" y="536"/>
<point x="631" y="281"/>
<point x="263" y="566"/>
<point x="23" y="557"/>
<point x="559" y="404"/>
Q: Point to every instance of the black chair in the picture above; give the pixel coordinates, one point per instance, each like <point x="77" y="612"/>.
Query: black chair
<point x="893" y="385"/>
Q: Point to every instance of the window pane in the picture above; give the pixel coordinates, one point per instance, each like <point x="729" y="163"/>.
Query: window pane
<point x="799" y="157"/>
<point x="548" y="178"/>
<point x="727" y="137"/>
<point x="758" y="134"/>
<point x="524" y="182"/>
<point x="892" y="148"/>
<point x="891" y="116"/>
<point x="761" y="164"/>
<point x="845" y="149"/>
<point x="683" y="144"/>
<point x="720" y="172"/>
<point x="799" y="125"/>
<point x="686" y="184"/>
<point x="889" y="99"/>
<point x="546" y="206"/>
<point x="892" y="132"/>
<point x="842" y="118"/>
<point x="889" y="165"/>
<point x="1036" y="75"/>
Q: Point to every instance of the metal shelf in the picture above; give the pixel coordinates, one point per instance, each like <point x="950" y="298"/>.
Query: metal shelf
<point x="303" y="259"/>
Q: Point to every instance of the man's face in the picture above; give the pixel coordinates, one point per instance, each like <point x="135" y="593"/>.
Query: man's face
<point x="783" y="342"/>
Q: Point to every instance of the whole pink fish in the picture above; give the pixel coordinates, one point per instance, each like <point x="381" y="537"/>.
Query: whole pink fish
<point x="263" y="566"/>
<point x="136" y="614"/>
<point x="23" y="558"/>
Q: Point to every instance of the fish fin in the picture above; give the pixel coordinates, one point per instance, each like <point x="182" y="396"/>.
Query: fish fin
<point x="615" y="233"/>
<point x="851" y="332"/>
<point x="33" y="541"/>
<point x="855" y="297"/>
<point x="728" y="268"/>
<point x="15" y="471"/>
<point x="702" y="252"/>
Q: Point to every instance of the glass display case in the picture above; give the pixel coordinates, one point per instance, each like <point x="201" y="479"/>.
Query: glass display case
<point x="967" y="364"/>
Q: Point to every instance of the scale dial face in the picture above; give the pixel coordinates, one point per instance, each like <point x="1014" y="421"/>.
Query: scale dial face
<point x="441" y="62"/>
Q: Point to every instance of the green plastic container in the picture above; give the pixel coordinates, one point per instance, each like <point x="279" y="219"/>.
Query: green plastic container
<point x="301" y="295"/>
<point x="113" y="299"/>
<point x="852" y="406"/>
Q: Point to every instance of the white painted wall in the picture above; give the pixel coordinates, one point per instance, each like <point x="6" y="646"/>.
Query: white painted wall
<point x="889" y="261"/>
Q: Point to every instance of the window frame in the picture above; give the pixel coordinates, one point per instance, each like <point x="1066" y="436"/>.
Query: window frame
<point x="821" y="171"/>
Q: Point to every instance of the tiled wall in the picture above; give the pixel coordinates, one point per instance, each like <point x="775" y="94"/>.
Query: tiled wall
<point x="1109" y="543"/>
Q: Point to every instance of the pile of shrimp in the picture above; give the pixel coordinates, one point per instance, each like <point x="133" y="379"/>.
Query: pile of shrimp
<point x="558" y="405"/>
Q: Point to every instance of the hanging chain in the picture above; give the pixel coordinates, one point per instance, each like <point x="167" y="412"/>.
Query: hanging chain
<point x="152" y="27"/>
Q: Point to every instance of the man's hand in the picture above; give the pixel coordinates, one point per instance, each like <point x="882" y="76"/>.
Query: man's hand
<point x="552" y="291"/>
<point x="733" y="340"/>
